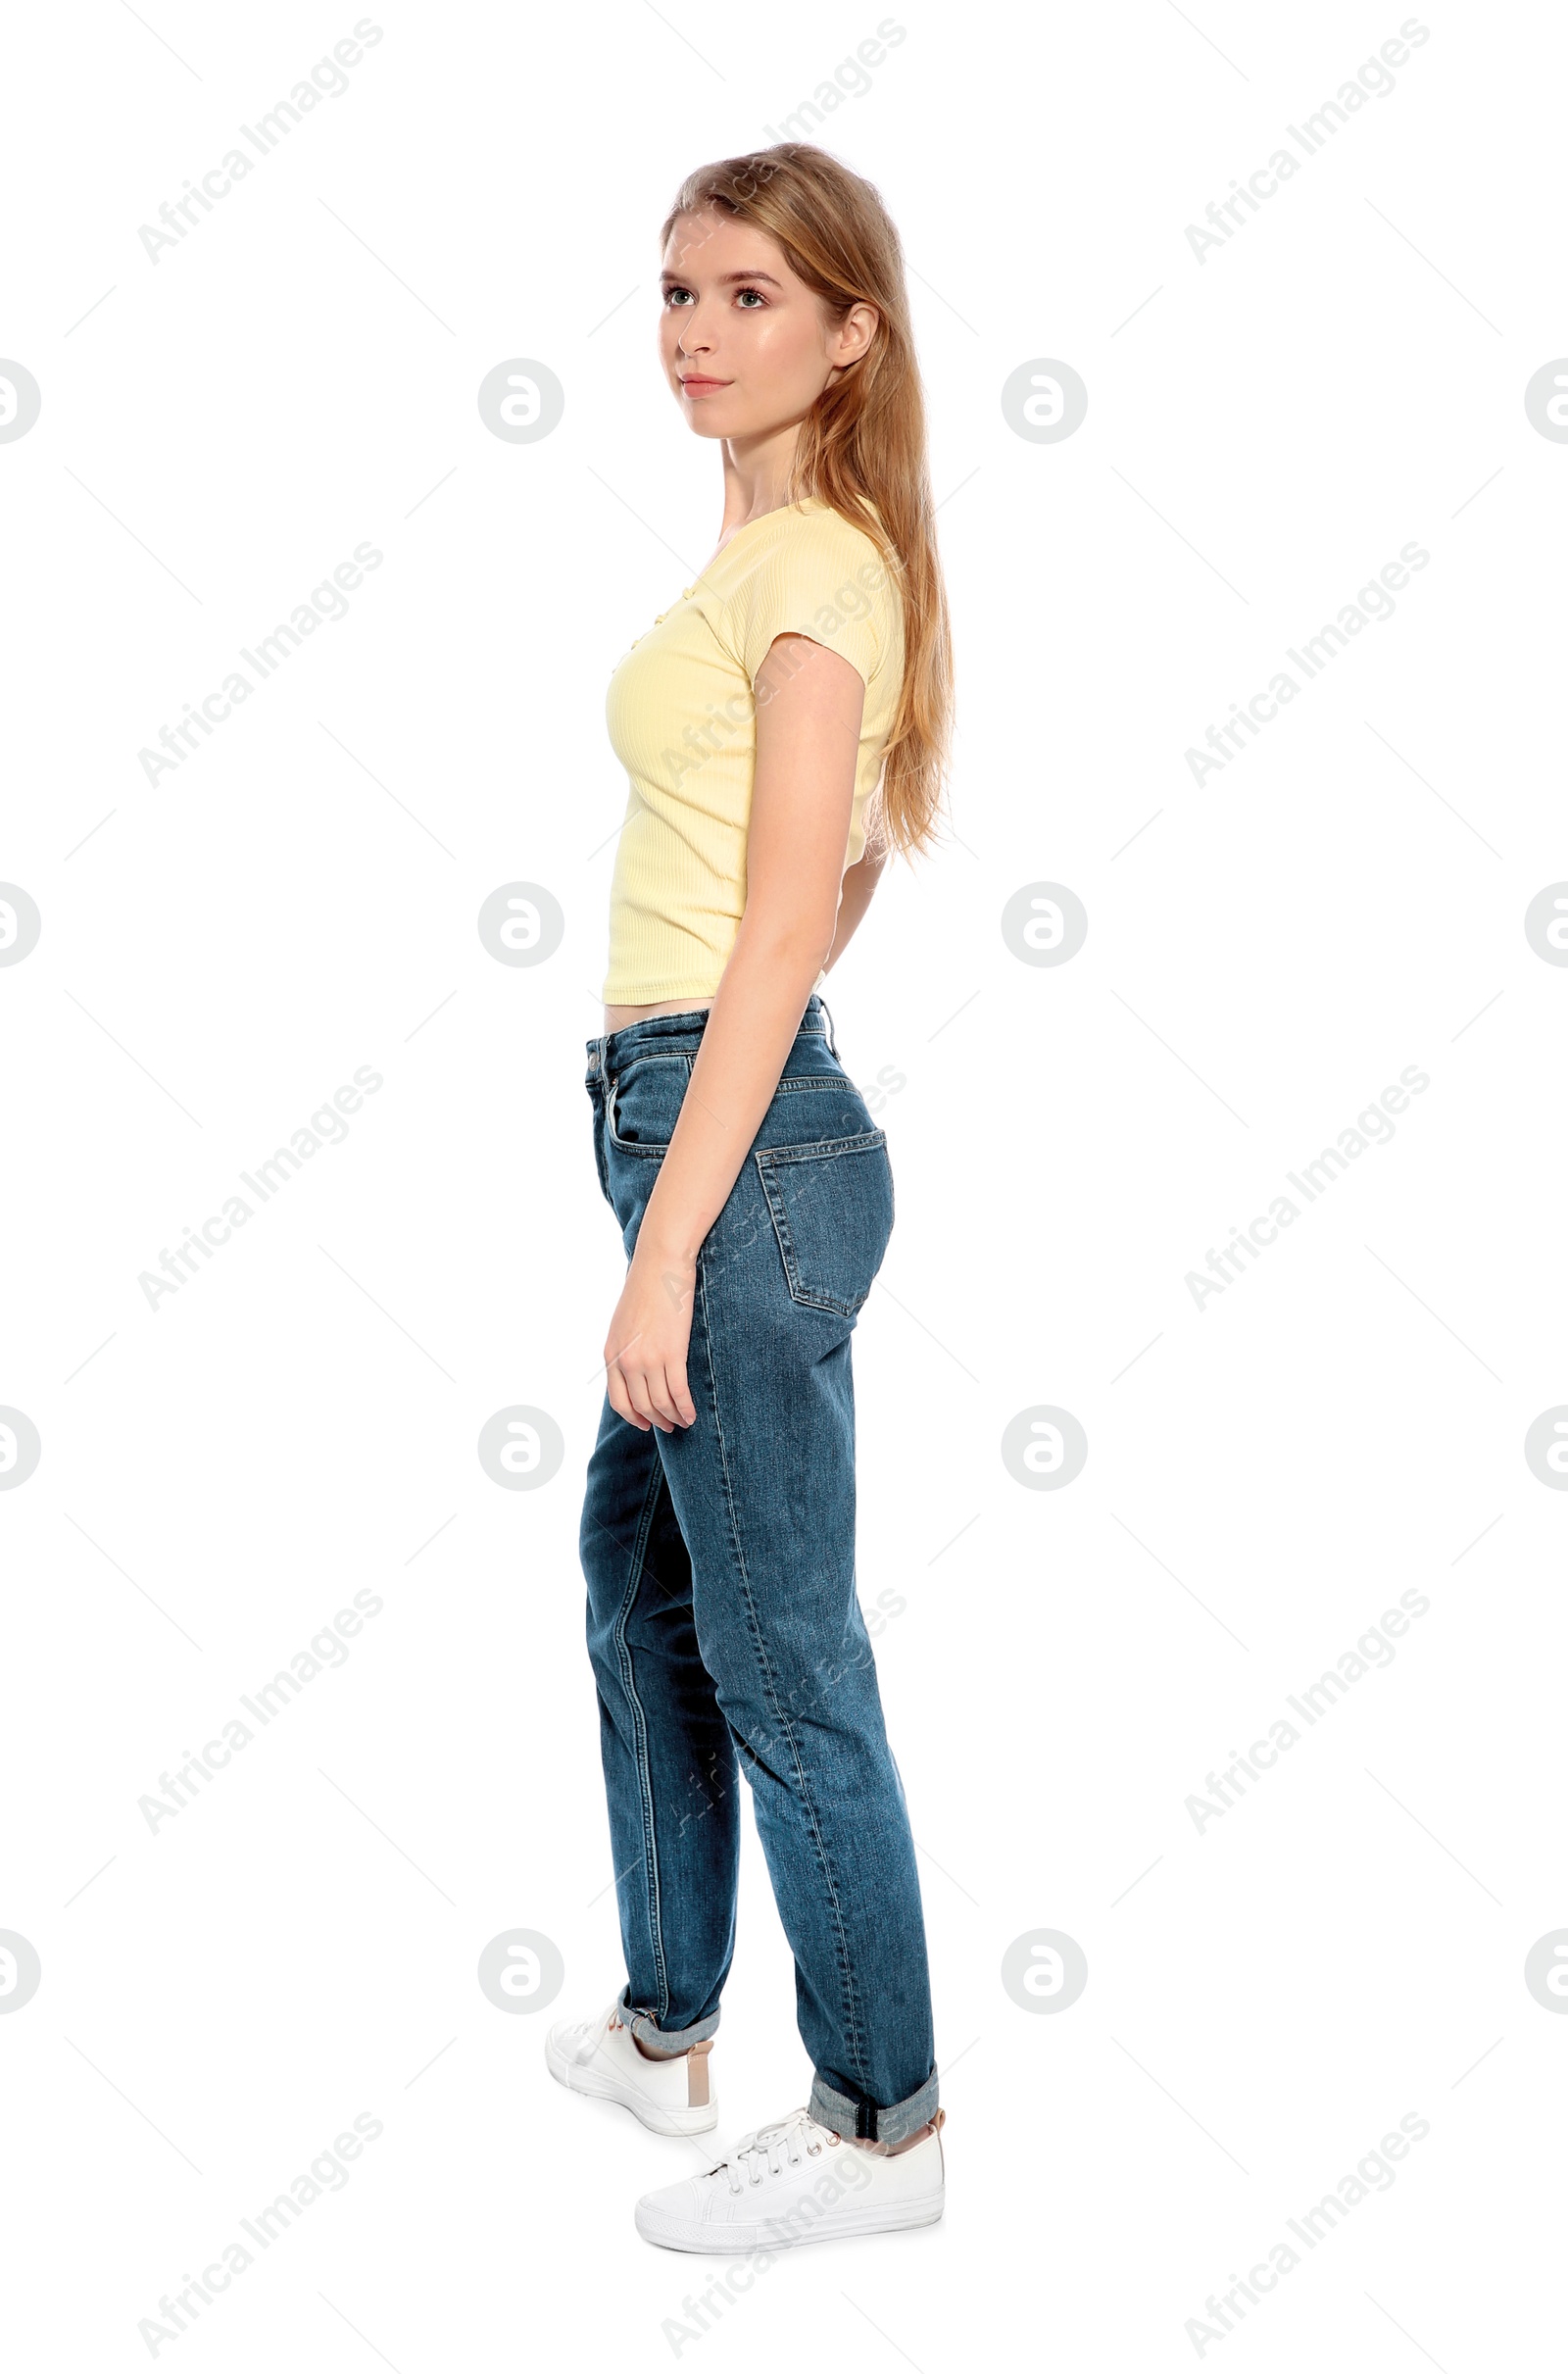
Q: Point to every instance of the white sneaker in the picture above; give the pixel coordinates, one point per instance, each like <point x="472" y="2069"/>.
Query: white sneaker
<point x="795" y="2182"/>
<point x="599" y="2057"/>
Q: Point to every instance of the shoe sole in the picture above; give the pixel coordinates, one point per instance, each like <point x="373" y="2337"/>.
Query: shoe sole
<point x="581" y="2078"/>
<point x="714" y="2242"/>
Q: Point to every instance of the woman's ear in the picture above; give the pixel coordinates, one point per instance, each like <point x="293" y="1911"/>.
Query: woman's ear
<point x="852" y="336"/>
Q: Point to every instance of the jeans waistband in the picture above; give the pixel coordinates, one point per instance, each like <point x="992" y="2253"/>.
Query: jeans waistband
<point x="613" y="1048"/>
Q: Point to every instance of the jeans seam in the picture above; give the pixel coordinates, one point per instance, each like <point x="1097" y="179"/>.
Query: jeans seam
<point x="601" y="1164"/>
<point x="822" y="1149"/>
<point x="760" y="1648"/>
<point x="645" y="1784"/>
<point x="830" y="2096"/>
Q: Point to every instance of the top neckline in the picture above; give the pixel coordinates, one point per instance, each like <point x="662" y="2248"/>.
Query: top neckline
<point x="806" y="504"/>
<point x="688" y="593"/>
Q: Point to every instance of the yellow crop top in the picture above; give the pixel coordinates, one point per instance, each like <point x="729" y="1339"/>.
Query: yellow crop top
<point x="682" y="719"/>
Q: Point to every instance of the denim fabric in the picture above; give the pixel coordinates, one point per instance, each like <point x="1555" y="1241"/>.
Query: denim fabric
<point x="722" y="1619"/>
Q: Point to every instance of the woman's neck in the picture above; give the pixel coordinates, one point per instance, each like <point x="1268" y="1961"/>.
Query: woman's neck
<point x="756" y="477"/>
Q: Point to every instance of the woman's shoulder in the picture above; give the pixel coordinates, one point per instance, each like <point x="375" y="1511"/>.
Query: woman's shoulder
<point x="814" y="524"/>
<point x="811" y="540"/>
<point x="806" y="570"/>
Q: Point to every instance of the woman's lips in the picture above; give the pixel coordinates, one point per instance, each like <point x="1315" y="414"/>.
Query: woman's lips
<point x="698" y="386"/>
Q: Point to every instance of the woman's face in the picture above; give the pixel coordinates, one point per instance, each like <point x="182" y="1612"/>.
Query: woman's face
<point x="747" y="347"/>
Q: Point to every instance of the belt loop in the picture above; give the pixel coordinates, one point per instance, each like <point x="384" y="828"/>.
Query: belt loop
<point x="828" y="1011"/>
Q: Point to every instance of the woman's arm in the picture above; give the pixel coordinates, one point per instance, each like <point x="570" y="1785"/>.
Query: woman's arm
<point x="859" y="883"/>
<point x="809" y="708"/>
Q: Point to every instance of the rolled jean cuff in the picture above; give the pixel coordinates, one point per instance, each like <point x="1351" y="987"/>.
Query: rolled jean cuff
<point x="666" y="2044"/>
<point x="867" y="2121"/>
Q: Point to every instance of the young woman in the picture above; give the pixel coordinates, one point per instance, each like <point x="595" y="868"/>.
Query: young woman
<point x="805" y="671"/>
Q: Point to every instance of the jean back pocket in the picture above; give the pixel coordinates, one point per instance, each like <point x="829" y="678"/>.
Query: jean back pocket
<point x="832" y="1210"/>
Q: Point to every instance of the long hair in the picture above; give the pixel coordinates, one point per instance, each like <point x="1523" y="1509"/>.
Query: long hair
<point x="863" y="448"/>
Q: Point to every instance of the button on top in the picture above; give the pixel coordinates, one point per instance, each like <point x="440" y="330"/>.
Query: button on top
<point x="664" y="614"/>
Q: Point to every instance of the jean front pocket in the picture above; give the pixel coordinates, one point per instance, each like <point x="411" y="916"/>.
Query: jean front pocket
<point x="643" y="1102"/>
<point x="832" y="1210"/>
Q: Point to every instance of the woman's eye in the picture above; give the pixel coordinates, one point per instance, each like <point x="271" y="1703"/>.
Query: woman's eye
<point x="674" y="296"/>
<point x="750" y="292"/>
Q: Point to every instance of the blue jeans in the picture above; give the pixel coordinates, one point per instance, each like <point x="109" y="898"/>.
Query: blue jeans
<point x="722" y="1619"/>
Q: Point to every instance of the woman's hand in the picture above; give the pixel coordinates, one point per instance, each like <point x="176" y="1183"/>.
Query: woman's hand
<point x="645" y="1351"/>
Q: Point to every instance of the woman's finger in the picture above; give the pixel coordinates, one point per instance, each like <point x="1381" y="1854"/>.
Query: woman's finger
<point x="641" y="1386"/>
<point x="621" y="1400"/>
<point x="682" y="1407"/>
<point x="660" y="1399"/>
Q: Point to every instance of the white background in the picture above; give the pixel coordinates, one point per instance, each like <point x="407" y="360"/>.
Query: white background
<point x="220" y="951"/>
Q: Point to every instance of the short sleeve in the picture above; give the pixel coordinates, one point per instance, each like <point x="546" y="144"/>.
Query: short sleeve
<point x="823" y="578"/>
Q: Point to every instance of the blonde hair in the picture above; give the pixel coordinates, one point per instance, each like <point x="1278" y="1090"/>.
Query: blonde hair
<point x="863" y="447"/>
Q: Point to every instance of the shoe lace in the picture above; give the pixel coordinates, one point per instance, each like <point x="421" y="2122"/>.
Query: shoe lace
<point x="587" y="2035"/>
<point x="768" y="2150"/>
